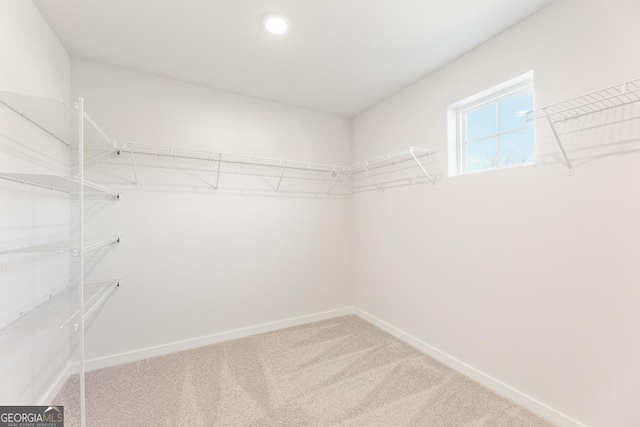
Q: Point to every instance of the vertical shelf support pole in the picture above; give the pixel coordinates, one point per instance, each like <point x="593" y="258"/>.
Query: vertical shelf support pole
<point x="421" y="167"/>
<point x="559" y="141"/>
<point x="83" y="411"/>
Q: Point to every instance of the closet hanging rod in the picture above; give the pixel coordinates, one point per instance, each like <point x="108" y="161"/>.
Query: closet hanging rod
<point x="382" y="161"/>
<point x="305" y="167"/>
<point x="142" y="149"/>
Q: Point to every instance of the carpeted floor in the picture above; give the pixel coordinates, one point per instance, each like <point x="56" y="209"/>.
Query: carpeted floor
<point x="338" y="372"/>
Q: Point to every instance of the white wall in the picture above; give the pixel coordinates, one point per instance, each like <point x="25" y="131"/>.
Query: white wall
<point x="527" y="274"/>
<point x="35" y="63"/>
<point x="196" y="262"/>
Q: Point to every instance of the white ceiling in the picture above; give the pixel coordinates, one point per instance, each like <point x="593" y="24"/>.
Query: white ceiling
<point x="339" y="57"/>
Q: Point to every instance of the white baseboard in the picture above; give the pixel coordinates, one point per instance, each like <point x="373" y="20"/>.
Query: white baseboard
<point x="52" y="392"/>
<point x="486" y="380"/>
<point x="145" y="353"/>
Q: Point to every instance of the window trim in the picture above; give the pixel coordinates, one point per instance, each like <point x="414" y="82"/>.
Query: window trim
<point x="457" y="125"/>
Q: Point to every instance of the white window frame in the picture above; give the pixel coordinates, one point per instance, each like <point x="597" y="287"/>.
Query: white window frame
<point x="457" y="123"/>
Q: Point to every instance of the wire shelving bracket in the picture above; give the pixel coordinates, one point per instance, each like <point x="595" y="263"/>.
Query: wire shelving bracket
<point x="403" y="167"/>
<point x="55" y="311"/>
<point x="591" y="103"/>
<point x="391" y="170"/>
<point x="63" y="184"/>
<point x="62" y="246"/>
<point x="54" y="117"/>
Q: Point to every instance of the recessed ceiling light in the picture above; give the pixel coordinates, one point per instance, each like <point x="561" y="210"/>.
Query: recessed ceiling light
<point x="276" y="24"/>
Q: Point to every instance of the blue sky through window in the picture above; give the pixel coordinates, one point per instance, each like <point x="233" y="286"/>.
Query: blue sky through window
<point x="517" y="148"/>
<point x="482" y="123"/>
<point x="499" y="135"/>
<point x="511" y="110"/>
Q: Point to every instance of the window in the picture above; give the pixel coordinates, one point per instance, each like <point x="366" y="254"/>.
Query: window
<point x="491" y="129"/>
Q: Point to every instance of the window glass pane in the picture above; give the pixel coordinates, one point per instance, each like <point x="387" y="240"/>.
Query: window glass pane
<point x="513" y="112"/>
<point x="482" y="154"/>
<point x="482" y="123"/>
<point x="518" y="148"/>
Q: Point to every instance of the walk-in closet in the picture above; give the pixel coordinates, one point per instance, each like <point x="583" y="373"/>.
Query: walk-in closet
<point x="304" y="213"/>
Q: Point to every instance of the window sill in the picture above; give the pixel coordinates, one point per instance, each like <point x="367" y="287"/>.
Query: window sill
<point x="521" y="165"/>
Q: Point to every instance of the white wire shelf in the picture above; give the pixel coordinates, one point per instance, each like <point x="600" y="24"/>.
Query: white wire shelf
<point x="61" y="246"/>
<point x="64" y="184"/>
<point x="403" y="167"/>
<point x="592" y="103"/>
<point x="408" y="166"/>
<point x="55" y="117"/>
<point x="60" y="308"/>
<point x="45" y="129"/>
<point x="178" y="153"/>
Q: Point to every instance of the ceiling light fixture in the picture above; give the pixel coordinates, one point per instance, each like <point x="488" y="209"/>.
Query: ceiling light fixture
<point x="276" y="24"/>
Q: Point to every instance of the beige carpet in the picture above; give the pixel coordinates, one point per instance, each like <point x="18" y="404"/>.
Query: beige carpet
<point x="338" y="372"/>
